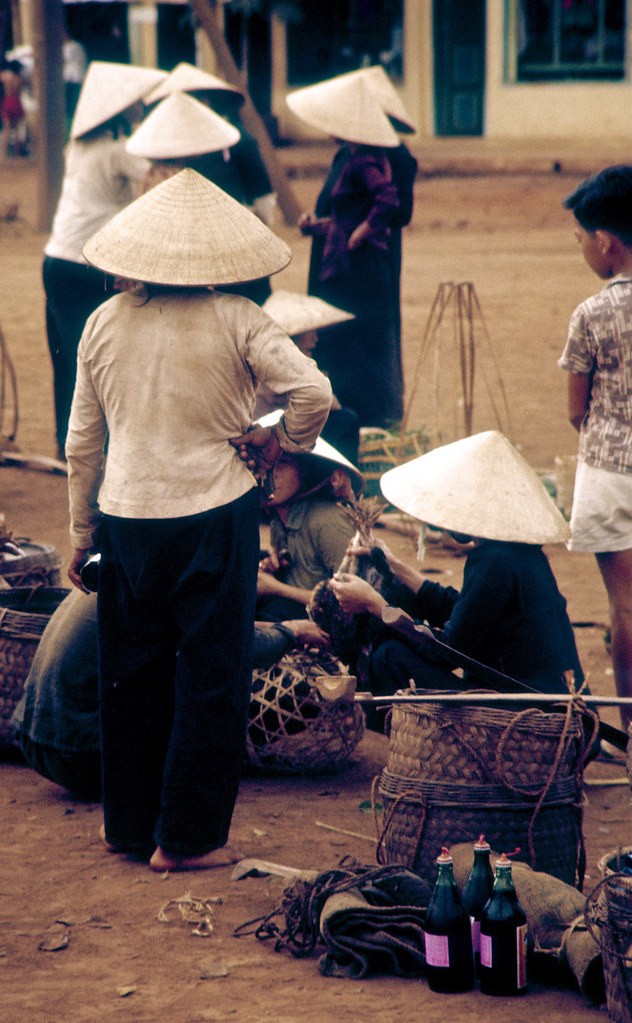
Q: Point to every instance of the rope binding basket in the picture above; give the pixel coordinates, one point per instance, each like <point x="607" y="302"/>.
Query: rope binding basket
<point x="453" y="773"/>
<point x="608" y="917"/>
<point x="36" y="564"/>
<point x="292" y="728"/>
<point x="24" y="614"/>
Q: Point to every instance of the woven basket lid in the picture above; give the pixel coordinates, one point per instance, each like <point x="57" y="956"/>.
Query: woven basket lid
<point x="108" y="89"/>
<point x="181" y="126"/>
<point x="187" y="232"/>
<point x="321" y="450"/>
<point x="296" y="313"/>
<point x="189" y="78"/>
<point x="480" y="486"/>
<point x="346" y="108"/>
<point x="387" y="94"/>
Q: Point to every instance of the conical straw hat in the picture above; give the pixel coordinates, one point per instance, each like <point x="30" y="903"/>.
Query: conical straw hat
<point x="480" y="486"/>
<point x="189" y="78"/>
<point x="108" y="89"/>
<point x="296" y="313"/>
<point x="321" y="450"/>
<point x="189" y="233"/>
<point x="181" y="126"/>
<point x="387" y="94"/>
<point x="346" y="108"/>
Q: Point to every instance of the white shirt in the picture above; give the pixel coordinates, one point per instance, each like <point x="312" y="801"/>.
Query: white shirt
<point x="100" y="179"/>
<point x="168" y="382"/>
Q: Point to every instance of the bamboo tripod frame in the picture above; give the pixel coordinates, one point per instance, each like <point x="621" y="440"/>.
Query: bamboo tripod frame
<point x="457" y="307"/>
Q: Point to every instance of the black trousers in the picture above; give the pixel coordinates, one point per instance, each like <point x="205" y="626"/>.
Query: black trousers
<point x="175" y="614"/>
<point x="73" y="291"/>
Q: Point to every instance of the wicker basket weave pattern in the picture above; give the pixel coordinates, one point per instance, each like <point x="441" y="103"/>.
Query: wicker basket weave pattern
<point x="39" y="565"/>
<point x="292" y="729"/>
<point x="24" y="614"/>
<point x="608" y="916"/>
<point x="454" y="773"/>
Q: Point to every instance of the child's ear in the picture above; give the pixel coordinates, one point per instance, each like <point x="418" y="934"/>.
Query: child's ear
<point x="340" y="483"/>
<point x="605" y="240"/>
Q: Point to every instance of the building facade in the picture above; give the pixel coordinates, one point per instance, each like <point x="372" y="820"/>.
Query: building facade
<point x="497" y="68"/>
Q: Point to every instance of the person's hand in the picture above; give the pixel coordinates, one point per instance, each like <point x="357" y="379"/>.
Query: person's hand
<point x="308" y="634"/>
<point x="267" y="584"/>
<point x="356" y="595"/>
<point x="357" y="237"/>
<point x="77" y="560"/>
<point x="259" y="448"/>
<point x="309" y="224"/>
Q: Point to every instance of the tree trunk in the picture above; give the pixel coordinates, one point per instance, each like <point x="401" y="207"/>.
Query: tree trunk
<point x="204" y="11"/>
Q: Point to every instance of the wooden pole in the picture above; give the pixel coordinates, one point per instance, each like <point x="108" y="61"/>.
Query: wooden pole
<point x="47" y="28"/>
<point x="204" y="11"/>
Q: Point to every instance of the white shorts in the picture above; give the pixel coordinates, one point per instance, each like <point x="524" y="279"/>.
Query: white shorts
<point x="601" y="516"/>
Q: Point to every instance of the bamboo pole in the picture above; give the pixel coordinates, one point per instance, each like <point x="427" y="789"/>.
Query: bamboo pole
<point x="473" y="697"/>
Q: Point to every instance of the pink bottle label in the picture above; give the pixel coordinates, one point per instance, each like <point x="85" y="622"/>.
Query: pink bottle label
<point x="476" y="934"/>
<point x="485" y="945"/>
<point x="521" y="956"/>
<point x="437" y="950"/>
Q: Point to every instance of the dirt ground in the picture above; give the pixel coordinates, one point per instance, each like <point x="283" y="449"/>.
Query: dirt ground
<point x="509" y="237"/>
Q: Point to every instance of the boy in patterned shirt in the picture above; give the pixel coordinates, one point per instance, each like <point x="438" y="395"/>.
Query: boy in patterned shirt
<point x="598" y="358"/>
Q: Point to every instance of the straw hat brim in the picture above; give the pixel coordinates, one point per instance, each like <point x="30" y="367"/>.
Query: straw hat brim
<point x="187" y="232"/>
<point x="387" y="94"/>
<point x="296" y="313"/>
<point x="480" y="486"/>
<point x="345" y="108"/>
<point x="321" y="450"/>
<point x="108" y="89"/>
<point x="187" y="77"/>
<point x="181" y="126"/>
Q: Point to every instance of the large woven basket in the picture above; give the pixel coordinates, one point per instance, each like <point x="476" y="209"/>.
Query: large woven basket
<point x="455" y="772"/>
<point x="608" y="916"/>
<point x="39" y="565"/>
<point x="24" y="614"/>
<point x="292" y="729"/>
<point x="381" y="450"/>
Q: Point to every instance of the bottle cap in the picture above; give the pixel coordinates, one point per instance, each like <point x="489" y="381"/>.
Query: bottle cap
<point x="481" y="845"/>
<point x="503" y="861"/>
<point x="444" y="856"/>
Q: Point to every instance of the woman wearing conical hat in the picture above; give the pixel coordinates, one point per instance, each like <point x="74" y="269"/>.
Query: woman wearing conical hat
<point x="309" y="529"/>
<point x="238" y="170"/>
<point x="163" y="458"/>
<point x="509" y="613"/>
<point x="100" y="178"/>
<point x="355" y="259"/>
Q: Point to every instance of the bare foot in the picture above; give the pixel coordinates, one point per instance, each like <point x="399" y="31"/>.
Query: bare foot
<point x="224" y="857"/>
<point x="108" y="845"/>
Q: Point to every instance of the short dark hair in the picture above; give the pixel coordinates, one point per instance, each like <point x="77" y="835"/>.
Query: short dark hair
<point x="604" y="202"/>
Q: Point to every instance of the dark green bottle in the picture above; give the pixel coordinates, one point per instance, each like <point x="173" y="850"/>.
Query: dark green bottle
<point x="477" y="891"/>
<point x="448" y="936"/>
<point x="503" y="943"/>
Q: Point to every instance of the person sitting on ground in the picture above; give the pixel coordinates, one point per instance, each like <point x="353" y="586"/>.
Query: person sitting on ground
<point x="309" y="530"/>
<point x="509" y="614"/>
<point x="56" y="722"/>
<point x="303" y="317"/>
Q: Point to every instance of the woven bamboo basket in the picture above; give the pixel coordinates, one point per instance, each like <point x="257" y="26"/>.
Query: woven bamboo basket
<point x="24" y="614"/>
<point x="608" y="916"/>
<point x="453" y="773"/>
<point x="39" y="565"/>
<point x="292" y="729"/>
<point x="381" y="450"/>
